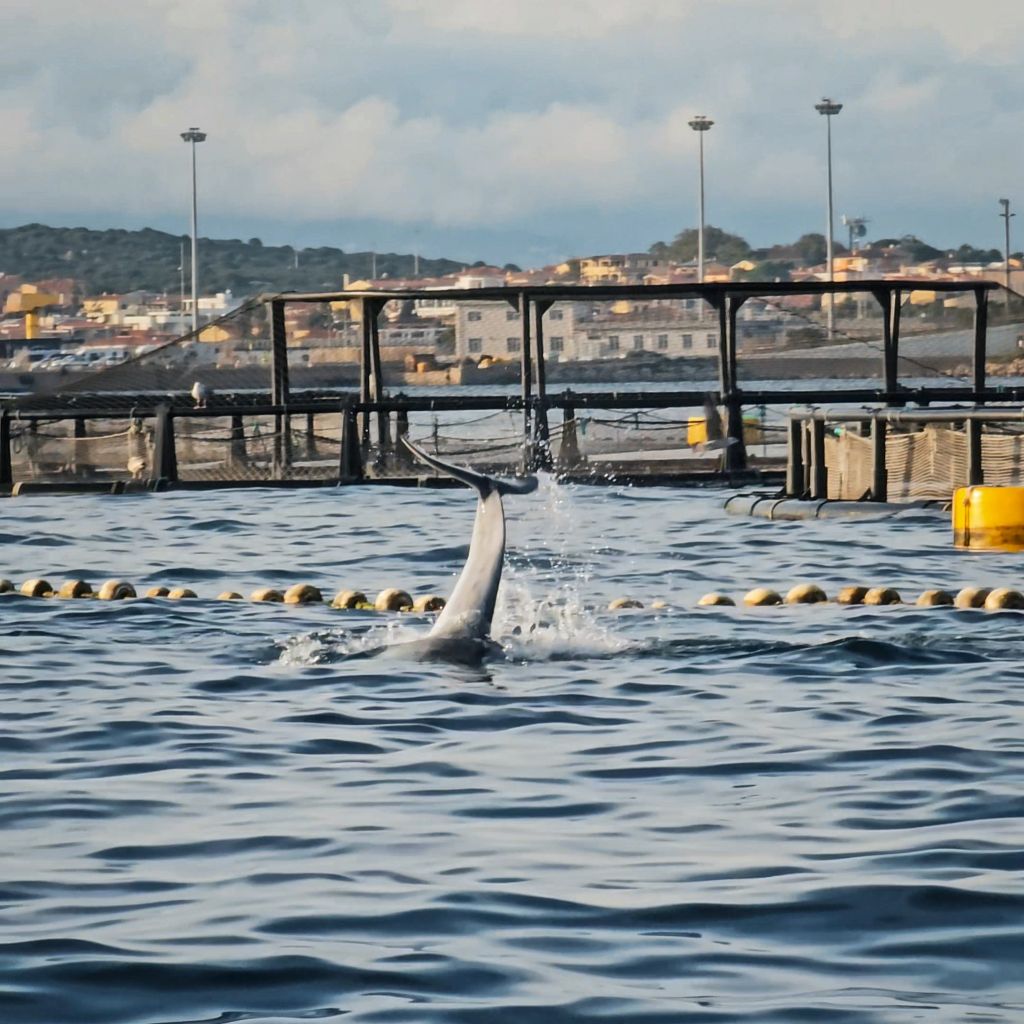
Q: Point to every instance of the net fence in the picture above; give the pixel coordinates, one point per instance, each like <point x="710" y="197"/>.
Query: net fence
<point x="248" y="447"/>
<point x="926" y="464"/>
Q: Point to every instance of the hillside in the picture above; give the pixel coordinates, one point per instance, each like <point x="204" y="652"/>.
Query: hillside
<point x="120" y="261"/>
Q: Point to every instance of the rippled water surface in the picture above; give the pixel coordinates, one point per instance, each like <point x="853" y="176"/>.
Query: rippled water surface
<point x="219" y="812"/>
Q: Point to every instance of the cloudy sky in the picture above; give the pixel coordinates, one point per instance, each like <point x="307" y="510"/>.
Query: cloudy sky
<point x="511" y="130"/>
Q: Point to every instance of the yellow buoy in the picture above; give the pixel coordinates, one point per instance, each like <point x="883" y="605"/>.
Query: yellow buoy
<point x="268" y="594"/>
<point x="116" y="590"/>
<point x="882" y="595"/>
<point x="157" y="592"/>
<point x="806" y="593"/>
<point x="852" y="595"/>
<point x="350" y="599"/>
<point x="6" y="587"/>
<point x="989" y="517"/>
<point x="428" y="603"/>
<point x="303" y="593"/>
<point x="761" y="596"/>
<point x="393" y="600"/>
<point x="36" y="588"/>
<point x="716" y="600"/>
<point x="75" y="588"/>
<point x="1003" y="597"/>
<point x="180" y="594"/>
<point x="229" y="595"/>
<point x="935" y="599"/>
<point x="624" y="602"/>
<point x="972" y="597"/>
<point x="658" y="605"/>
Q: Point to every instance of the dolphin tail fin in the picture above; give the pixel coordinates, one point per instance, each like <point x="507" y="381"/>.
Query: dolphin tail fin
<point x="483" y="484"/>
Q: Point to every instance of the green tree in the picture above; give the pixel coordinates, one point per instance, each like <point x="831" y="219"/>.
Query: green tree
<point x="719" y="246"/>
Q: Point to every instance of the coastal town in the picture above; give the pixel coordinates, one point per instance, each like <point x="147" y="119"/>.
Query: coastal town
<point x="54" y="324"/>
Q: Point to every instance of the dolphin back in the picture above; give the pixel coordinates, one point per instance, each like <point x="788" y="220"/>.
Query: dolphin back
<point x="483" y="484"/>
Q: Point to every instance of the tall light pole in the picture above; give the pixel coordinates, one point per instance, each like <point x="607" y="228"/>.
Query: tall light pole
<point x="1006" y="215"/>
<point x="700" y="124"/>
<point x="829" y="108"/>
<point x="194" y="135"/>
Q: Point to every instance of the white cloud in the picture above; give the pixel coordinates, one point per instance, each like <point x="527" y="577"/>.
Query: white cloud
<point x="479" y="114"/>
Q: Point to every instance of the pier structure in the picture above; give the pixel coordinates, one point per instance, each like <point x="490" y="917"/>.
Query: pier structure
<point x="99" y="430"/>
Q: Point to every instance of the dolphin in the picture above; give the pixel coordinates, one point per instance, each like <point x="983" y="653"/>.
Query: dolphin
<point x="464" y="624"/>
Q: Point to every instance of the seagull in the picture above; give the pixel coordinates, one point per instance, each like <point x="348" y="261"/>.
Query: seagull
<point x="201" y="394"/>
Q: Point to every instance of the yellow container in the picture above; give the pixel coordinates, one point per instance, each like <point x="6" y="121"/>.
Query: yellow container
<point x="697" y="431"/>
<point x="989" y="518"/>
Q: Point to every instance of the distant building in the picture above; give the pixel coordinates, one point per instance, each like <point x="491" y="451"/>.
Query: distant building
<point x="660" y="331"/>
<point x="624" y="268"/>
<point x="495" y="329"/>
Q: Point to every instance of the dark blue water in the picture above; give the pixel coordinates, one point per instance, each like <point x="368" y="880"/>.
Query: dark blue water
<point x="228" y="812"/>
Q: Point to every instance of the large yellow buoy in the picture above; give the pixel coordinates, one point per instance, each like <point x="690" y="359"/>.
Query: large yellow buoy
<point x="36" y="588"/>
<point x="6" y="587"/>
<point x="989" y="517"/>
<point x="761" y="596"/>
<point x="180" y="594"/>
<point x="852" y="595"/>
<point x="229" y="595"/>
<point x="716" y="600"/>
<point x="268" y="595"/>
<point x="620" y="603"/>
<point x="935" y="599"/>
<point x="882" y="595"/>
<point x="806" y="593"/>
<point x="972" y="597"/>
<point x="116" y="590"/>
<point x="350" y="599"/>
<point x="428" y="603"/>
<point x="75" y="588"/>
<point x="303" y="593"/>
<point x="393" y="600"/>
<point x="1003" y="597"/>
<point x="157" y="592"/>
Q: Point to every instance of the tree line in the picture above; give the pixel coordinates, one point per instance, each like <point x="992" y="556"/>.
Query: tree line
<point x="119" y="261"/>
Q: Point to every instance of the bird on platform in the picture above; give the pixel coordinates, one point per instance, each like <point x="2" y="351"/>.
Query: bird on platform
<point x="201" y="394"/>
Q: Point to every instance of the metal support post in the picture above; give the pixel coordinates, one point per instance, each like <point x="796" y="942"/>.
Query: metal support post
<point x="879" y="467"/>
<point x="541" y="432"/>
<point x="569" y="457"/>
<point x="238" y="454"/>
<point x="279" y="390"/>
<point x="6" y="469"/>
<point x="795" y="459"/>
<point x="522" y="303"/>
<point x="975" y="467"/>
<point x="350" y="464"/>
<point x="980" y="338"/>
<point x="376" y="373"/>
<point x="366" y="306"/>
<point x="892" y="347"/>
<point x="79" y="465"/>
<point x="279" y="355"/>
<point x="736" y="453"/>
<point x="165" y="460"/>
<point x="310" y="435"/>
<point x="819" y="470"/>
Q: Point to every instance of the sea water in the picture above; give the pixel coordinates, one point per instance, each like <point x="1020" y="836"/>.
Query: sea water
<point x="223" y="811"/>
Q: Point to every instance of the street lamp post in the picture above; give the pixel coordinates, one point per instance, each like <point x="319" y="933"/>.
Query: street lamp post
<point x="1006" y="215"/>
<point x="700" y="124"/>
<point x="829" y="108"/>
<point x="194" y="135"/>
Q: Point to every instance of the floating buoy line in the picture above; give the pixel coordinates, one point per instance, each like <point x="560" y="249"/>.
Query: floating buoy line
<point x="394" y="599"/>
